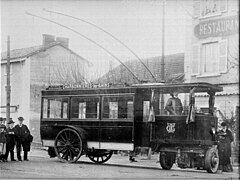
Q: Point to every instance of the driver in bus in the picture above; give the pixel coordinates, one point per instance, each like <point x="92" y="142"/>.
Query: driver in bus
<point x="174" y="104"/>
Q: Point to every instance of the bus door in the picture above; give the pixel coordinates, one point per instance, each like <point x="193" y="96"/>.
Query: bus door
<point x="117" y="122"/>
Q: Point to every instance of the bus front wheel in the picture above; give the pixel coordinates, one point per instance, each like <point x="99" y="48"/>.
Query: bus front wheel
<point x="211" y="160"/>
<point x="68" y="145"/>
<point x="167" y="160"/>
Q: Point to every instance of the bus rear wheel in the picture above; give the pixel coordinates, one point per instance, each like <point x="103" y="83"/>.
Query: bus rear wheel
<point x="68" y="145"/>
<point x="99" y="155"/>
<point x="167" y="160"/>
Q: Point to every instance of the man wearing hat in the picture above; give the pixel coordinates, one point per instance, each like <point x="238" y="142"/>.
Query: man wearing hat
<point x="225" y="138"/>
<point x="10" y="140"/>
<point x="22" y="131"/>
<point x="174" y="104"/>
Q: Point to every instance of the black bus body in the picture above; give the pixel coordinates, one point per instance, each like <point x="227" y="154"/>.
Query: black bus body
<point x="98" y="121"/>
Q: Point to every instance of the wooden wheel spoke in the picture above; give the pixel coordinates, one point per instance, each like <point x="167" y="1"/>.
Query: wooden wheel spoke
<point x="74" y="139"/>
<point x="61" y="149"/>
<point x="71" y="154"/>
<point x="74" y="152"/>
<point x="75" y="145"/>
<point x="61" y="142"/>
<point x="66" y="136"/>
<point x="65" y="155"/>
<point x="68" y="145"/>
<point x="100" y="156"/>
<point x="63" y="138"/>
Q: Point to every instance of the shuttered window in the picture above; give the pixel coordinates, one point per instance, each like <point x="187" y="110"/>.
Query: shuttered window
<point x="223" y="56"/>
<point x="209" y="58"/>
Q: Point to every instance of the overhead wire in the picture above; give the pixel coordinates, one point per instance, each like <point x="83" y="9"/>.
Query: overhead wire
<point x="108" y="33"/>
<point x="94" y="42"/>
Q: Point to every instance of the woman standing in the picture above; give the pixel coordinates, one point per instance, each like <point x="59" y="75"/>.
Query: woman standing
<point x="225" y="138"/>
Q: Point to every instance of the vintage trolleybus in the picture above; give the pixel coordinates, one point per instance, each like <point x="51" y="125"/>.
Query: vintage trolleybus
<point x="98" y="121"/>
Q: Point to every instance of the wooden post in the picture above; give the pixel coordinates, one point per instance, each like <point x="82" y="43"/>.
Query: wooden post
<point x="8" y="87"/>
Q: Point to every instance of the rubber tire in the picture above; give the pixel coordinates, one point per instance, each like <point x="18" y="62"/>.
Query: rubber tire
<point x="167" y="160"/>
<point x="211" y="160"/>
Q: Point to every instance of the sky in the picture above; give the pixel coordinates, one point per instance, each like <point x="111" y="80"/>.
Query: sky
<point x="137" y="23"/>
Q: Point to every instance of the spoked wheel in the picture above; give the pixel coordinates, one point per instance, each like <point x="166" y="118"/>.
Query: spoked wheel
<point x="211" y="160"/>
<point x="68" y="145"/>
<point x="99" y="155"/>
<point x="167" y="160"/>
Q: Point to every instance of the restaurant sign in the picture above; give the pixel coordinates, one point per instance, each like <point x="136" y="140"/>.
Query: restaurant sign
<point x="217" y="27"/>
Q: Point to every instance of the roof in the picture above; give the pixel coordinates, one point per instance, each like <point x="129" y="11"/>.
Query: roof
<point x="30" y="51"/>
<point x="174" y="70"/>
<point x="228" y="89"/>
<point x="147" y="87"/>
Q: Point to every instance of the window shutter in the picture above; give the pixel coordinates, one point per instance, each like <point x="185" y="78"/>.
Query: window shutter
<point x="195" y="59"/>
<point x="223" y="56"/>
<point x="223" y="5"/>
<point x="196" y="8"/>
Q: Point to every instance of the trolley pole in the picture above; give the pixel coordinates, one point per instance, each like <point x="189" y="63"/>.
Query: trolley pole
<point x="8" y="87"/>
<point x="162" y="58"/>
<point x="163" y="39"/>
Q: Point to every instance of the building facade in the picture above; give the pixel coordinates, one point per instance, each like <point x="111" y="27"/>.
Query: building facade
<point x="212" y="55"/>
<point x="212" y="51"/>
<point x="33" y="69"/>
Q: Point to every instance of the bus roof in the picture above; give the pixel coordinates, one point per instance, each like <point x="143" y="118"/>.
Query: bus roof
<point x="158" y="87"/>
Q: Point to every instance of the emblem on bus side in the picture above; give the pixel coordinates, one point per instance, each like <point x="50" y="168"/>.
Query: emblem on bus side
<point x="170" y="127"/>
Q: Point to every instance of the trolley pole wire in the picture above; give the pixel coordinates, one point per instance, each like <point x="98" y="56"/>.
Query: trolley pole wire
<point x="108" y="33"/>
<point x="94" y="42"/>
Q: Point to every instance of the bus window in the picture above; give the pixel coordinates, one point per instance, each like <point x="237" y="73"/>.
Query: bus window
<point x="55" y="108"/>
<point x="85" y="108"/>
<point x="118" y="108"/>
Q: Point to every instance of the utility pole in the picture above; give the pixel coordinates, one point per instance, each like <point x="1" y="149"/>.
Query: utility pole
<point x="8" y="87"/>
<point x="162" y="59"/>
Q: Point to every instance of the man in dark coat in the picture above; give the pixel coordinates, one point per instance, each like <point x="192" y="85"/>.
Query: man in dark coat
<point x="11" y="140"/>
<point x="225" y="138"/>
<point x="174" y="104"/>
<point x="22" y="132"/>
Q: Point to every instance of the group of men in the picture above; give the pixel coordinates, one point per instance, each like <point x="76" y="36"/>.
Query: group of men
<point x="11" y="136"/>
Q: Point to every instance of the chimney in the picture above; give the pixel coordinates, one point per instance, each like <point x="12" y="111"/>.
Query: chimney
<point x="64" y="41"/>
<point x="48" y="39"/>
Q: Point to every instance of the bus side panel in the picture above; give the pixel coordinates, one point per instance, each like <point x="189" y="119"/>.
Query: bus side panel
<point x="170" y="127"/>
<point x="50" y="129"/>
<point x="203" y="126"/>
